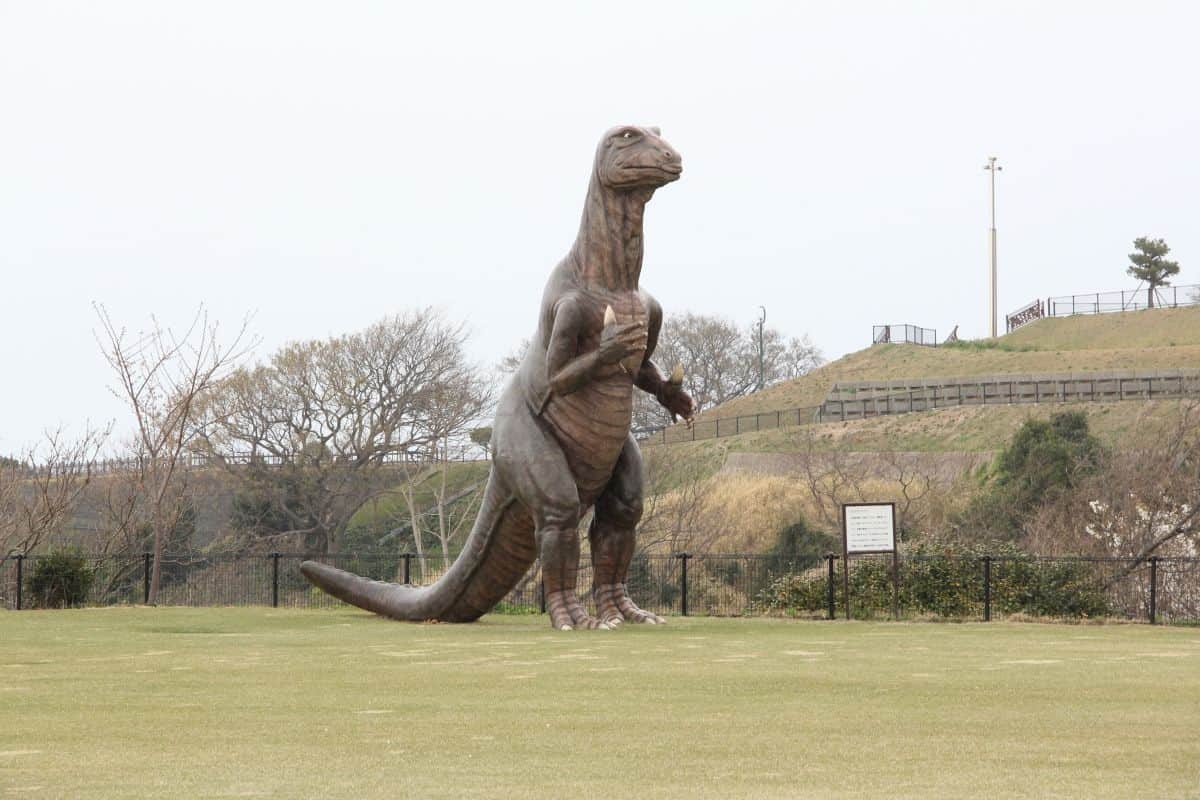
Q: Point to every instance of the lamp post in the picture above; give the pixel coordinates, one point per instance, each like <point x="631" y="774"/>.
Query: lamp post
<point x="993" y="168"/>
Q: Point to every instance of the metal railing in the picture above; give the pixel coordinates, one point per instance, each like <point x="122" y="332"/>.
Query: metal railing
<point x="1027" y="313"/>
<point x="200" y="461"/>
<point x="1126" y="300"/>
<point x="903" y="334"/>
<point x="921" y="586"/>
<point x="727" y="426"/>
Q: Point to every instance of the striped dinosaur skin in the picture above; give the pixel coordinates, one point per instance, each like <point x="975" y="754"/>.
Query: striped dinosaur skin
<point x="561" y="440"/>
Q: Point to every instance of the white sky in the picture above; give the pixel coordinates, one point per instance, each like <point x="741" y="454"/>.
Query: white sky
<point x="323" y="165"/>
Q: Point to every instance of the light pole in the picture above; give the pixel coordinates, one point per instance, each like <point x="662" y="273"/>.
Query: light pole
<point x="993" y="168"/>
<point x="761" y="321"/>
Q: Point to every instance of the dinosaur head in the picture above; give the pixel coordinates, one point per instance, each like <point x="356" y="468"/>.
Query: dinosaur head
<point x="630" y="157"/>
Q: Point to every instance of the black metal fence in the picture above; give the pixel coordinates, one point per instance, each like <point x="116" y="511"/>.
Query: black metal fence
<point x="918" y="587"/>
<point x="903" y="334"/>
<point x="727" y="426"/>
<point x="1127" y="300"/>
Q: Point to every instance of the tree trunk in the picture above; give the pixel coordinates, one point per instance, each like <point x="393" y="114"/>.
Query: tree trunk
<point x="156" y="564"/>
<point x="415" y="522"/>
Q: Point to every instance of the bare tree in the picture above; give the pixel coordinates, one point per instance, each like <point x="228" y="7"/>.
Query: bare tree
<point x="676" y="512"/>
<point x="511" y="362"/>
<point x="40" y="490"/>
<point x="1143" y="502"/>
<point x="161" y="376"/>
<point x="721" y="361"/>
<point x="311" y="432"/>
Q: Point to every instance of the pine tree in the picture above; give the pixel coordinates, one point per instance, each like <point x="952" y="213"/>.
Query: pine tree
<point x="1150" y="265"/>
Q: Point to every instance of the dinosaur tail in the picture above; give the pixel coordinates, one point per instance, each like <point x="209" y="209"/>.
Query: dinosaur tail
<point x="498" y="552"/>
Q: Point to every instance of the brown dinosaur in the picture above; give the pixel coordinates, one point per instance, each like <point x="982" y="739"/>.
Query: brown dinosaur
<point x="561" y="440"/>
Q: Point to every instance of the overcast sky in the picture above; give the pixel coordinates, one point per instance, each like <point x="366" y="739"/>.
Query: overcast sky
<point x="323" y="165"/>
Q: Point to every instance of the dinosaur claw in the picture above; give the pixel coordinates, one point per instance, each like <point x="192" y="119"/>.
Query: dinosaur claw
<point x="565" y="628"/>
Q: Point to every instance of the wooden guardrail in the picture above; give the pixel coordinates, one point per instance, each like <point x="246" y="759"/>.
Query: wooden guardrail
<point x="856" y="400"/>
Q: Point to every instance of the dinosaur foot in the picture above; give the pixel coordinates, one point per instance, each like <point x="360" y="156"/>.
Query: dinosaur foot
<point x="567" y="613"/>
<point x="614" y="607"/>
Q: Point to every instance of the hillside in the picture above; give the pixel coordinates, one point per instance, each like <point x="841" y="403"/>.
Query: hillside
<point x="1157" y="339"/>
<point x="756" y="483"/>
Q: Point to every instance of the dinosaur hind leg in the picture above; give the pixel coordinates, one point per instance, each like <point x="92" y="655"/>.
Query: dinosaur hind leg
<point x="617" y="512"/>
<point x="536" y="469"/>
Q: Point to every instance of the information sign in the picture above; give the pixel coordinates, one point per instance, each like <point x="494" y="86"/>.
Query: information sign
<point x="869" y="527"/>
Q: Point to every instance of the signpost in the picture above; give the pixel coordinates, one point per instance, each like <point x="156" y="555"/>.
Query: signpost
<point x="869" y="528"/>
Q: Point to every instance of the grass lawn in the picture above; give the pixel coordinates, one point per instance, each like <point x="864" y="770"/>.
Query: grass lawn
<point x="180" y="703"/>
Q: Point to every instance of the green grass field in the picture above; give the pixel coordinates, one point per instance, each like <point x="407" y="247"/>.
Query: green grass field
<point x="181" y="703"/>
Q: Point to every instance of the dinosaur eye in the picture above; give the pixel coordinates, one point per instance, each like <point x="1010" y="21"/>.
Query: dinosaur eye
<point x="627" y="135"/>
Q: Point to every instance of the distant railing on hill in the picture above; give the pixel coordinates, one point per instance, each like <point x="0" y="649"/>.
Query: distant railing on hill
<point x="1126" y="300"/>
<point x="1024" y="315"/>
<point x="903" y="334"/>
<point x="192" y="461"/>
<point x="857" y="400"/>
<point x="726" y="426"/>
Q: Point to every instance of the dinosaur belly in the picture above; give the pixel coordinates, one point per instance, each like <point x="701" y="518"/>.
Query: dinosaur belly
<point x="592" y="425"/>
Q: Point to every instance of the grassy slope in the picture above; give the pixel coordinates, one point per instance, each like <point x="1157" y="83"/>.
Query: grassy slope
<point x="1160" y="339"/>
<point x="186" y="703"/>
<point x="967" y="429"/>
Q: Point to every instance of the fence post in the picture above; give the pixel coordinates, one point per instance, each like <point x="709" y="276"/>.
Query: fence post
<point x="987" y="588"/>
<point x="683" y="582"/>
<point x="829" y="579"/>
<point x="145" y="579"/>
<point x="407" y="567"/>
<point x="1153" y="590"/>
<point x="20" y="557"/>
<point x="895" y="586"/>
<point x="274" y="580"/>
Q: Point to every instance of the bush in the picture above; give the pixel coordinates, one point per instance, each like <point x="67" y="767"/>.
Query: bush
<point x="60" y="580"/>
<point x="1043" y="459"/>
<point x="794" y="594"/>
<point x="947" y="585"/>
<point x="798" y="547"/>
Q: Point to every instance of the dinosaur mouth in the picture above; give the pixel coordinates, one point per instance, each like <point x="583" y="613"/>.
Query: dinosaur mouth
<point x="670" y="169"/>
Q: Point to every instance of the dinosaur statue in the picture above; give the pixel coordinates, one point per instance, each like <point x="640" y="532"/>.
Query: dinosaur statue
<point x="561" y="440"/>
